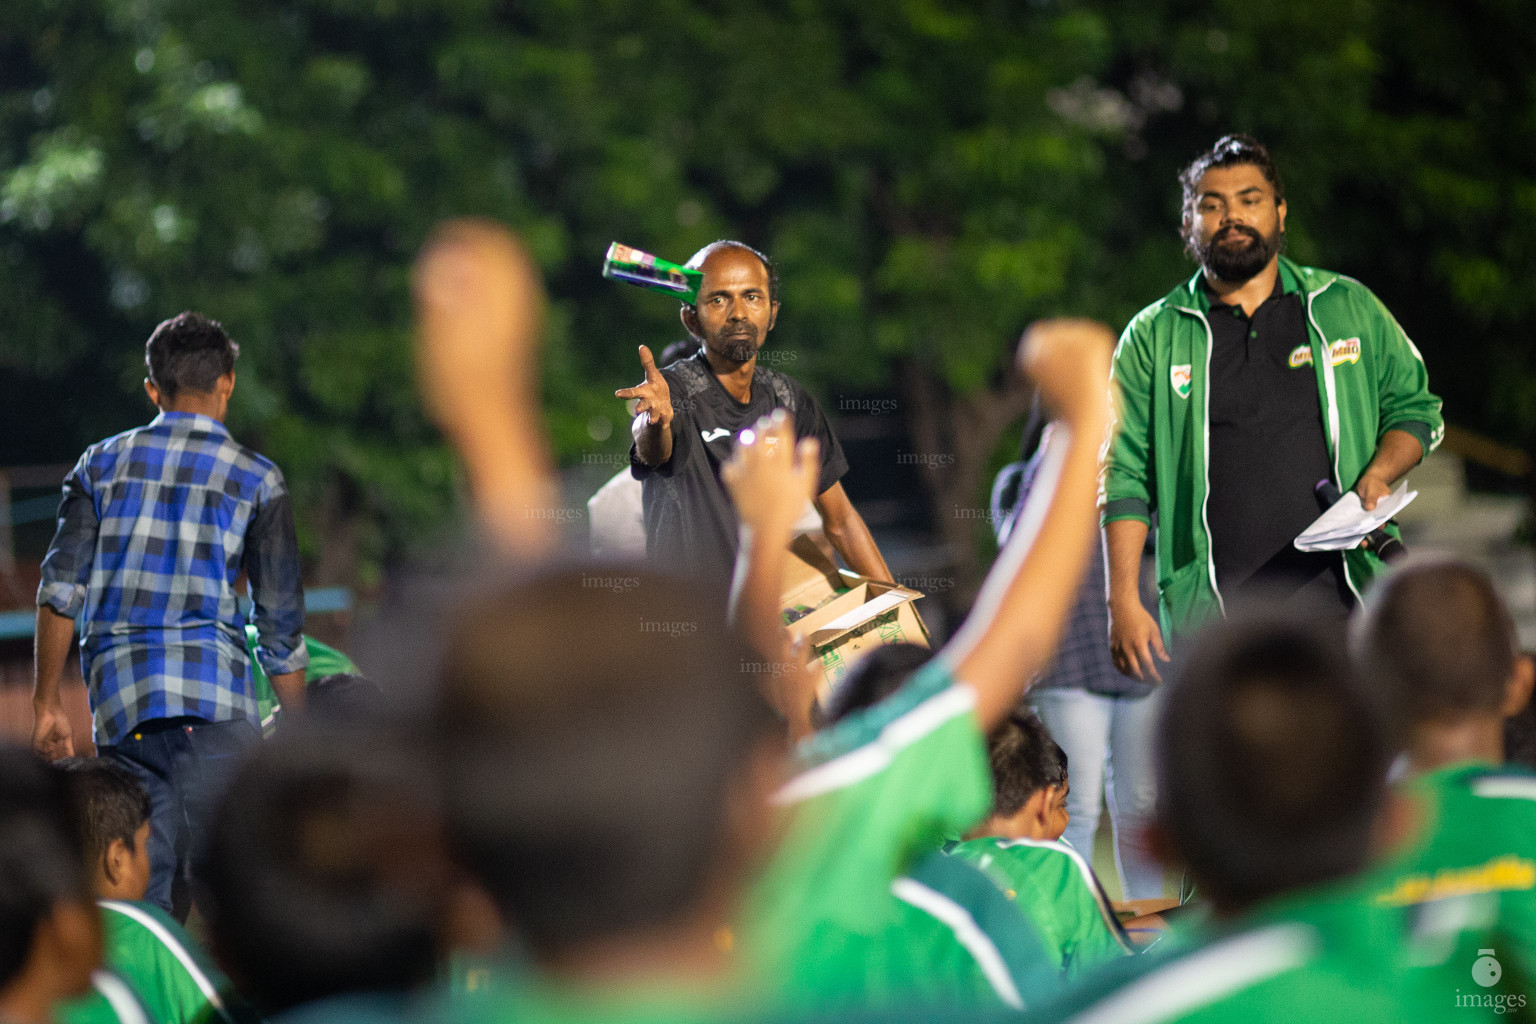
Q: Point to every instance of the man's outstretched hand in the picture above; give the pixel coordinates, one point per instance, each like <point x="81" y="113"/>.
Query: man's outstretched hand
<point x="653" y="397"/>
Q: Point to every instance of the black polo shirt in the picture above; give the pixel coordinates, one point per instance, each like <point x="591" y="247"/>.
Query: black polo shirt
<point x="1268" y="450"/>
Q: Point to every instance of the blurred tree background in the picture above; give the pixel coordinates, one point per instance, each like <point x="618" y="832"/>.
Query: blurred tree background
<point x="930" y="175"/>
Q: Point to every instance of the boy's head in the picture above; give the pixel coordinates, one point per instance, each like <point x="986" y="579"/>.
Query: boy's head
<point x="1029" y="780"/>
<point x="1271" y="761"/>
<point x="1439" y="646"/>
<point x="326" y="870"/>
<point x="874" y="677"/>
<point x="111" y="809"/>
<point x="189" y="354"/>
<point x="50" y="929"/>
<point x="605" y="754"/>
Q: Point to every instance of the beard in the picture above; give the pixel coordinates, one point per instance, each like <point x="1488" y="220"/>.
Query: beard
<point x="1236" y="254"/>
<point x="738" y="346"/>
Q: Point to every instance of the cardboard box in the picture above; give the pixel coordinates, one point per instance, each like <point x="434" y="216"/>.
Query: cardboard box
<point x="843" y="614"/>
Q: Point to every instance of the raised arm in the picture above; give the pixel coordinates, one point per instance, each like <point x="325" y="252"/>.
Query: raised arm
<point x="769" y="477"/>
<point x="652" y="428"/>
<point x="1018" y="617"/>
<point x="478" y="311"/>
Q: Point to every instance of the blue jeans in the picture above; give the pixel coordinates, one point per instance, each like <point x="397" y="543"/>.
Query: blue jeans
<point x="186" y="764"/>
<point x="1108" y="741"/>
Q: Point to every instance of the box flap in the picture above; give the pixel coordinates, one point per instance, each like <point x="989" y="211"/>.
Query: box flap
<point x="809" y="575"/>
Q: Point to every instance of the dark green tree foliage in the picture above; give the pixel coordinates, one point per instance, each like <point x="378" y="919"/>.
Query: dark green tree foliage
<point x="930" y="175"/>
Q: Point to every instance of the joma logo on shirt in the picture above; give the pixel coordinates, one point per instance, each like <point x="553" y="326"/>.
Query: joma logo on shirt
<point x="714" y="435"/>
<point x="1181" y="378"/>
<point x="1346" y="351"/>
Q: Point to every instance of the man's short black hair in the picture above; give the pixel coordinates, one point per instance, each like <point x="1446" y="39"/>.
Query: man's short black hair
<point x="1025" y="759"/>
<point x="326" y="871"/>
<point x="593" y="725"/>
<point x="1436" y="641"/>
<point x="189" y="352"/>
<point x="874" y="677"/>
<point x="1520" y="732"/>
<point x="1271" y="759"/>
<point x="1231" y="151"/>
<point x="696" y="261"/>
<point x="41" y="862"/>
<point x="109" y="802"/>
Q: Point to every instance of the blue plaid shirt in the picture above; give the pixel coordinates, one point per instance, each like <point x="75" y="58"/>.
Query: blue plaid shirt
<point x="155" y="526"/>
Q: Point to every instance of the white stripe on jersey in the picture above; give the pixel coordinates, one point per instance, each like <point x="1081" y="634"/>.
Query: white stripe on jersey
<point x="120" y="997"/>
<point x="170" y="942"/>
<point x="1505" y="787"/>
<point x="1091" y="880"/>
<point x="875" y="756"/>
<point x="1205" y="976"/>
<point x="969" y="934"/>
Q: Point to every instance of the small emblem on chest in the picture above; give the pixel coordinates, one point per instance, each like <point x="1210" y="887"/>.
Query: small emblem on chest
<point x="1345" y="351"/>
<point x="1301" y="355"/>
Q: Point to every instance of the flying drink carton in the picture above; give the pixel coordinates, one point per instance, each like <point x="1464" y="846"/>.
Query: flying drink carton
<point x="623" y="263"/>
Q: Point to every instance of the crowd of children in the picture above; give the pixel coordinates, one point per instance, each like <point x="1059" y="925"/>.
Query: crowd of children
<point x="582" y="818"/>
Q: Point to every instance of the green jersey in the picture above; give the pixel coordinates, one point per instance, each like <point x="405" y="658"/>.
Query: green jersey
<point x="1059" y="893"/>
<point x="1477" y="846"/>
<point x="324" y="660"/>
<point x="110" y="1001"/>
<point x="831" y="922"/>
<point x="1324" y="956"/>
<point x="163" y="965"/>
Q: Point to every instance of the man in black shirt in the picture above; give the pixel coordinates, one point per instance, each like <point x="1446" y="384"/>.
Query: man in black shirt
<point x="1264" y="399"/>
<point x="688" y="416"/>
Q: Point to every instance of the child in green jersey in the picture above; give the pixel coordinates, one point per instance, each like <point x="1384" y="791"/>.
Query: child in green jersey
<point x="1271" y="782"/>
<point x="1020" y="846"/>
<point x="162" y="964"/>
<point x="50" y="932"/>
<point x="610" y="767"/>
<point x="1440" y="647"/>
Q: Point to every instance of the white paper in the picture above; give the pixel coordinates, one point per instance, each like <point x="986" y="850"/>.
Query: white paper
<point x="1347" y="523"/>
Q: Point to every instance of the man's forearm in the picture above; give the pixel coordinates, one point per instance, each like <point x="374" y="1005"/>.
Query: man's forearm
<point x="653" y="441"/>
<point x="1124" y="540"/>
<point x="1397" y="452"/>
<point x="50" y="652"/>
<point x="290" y="690"/>
<point x="851" y="537"/>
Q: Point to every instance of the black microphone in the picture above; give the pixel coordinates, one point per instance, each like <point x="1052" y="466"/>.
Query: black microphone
<point x="1387" y="547"/>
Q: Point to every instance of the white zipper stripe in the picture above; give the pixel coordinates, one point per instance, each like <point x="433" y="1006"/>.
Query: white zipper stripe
<point x="1205" y="521"/>
<point x="969" y="934"/>
<point x="1333" y="417"/>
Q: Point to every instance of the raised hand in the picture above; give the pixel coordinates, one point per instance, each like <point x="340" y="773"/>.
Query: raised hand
<point x="770" y="477"/>
<point x="1068" y="359"/>
<point x="654" y="397"/>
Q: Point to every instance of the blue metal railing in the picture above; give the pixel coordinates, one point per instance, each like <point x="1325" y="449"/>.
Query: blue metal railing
<point x="317" y="601"/>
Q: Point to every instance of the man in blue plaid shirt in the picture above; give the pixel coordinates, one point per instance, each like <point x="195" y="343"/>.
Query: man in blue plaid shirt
<point x="155" y="527"/>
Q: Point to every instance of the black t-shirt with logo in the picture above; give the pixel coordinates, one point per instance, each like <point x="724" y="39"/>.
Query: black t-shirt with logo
<point x="690" y="522"/>
<point x="1268" y="451"/>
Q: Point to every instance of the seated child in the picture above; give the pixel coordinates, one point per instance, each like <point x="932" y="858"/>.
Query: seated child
<point x="1020" y="847"/>
<point x="143" y="944"/>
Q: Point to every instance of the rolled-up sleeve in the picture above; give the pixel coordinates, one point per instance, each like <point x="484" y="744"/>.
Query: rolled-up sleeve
<point x="67" y="566"/>
<point x="277" y="587"/>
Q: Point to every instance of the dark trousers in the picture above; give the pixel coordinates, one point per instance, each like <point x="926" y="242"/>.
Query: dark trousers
<point x="186" y="764"/>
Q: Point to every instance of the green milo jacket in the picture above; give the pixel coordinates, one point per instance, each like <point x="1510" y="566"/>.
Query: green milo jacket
<point x="1370" y="379"/>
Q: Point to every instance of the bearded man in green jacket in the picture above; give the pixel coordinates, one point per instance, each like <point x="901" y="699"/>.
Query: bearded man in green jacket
<point x="1241" y="389"/>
